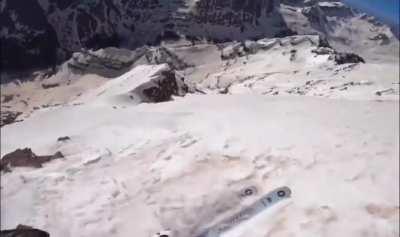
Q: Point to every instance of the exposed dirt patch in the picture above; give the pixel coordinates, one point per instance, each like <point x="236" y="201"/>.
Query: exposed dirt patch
<point x="384" y="212"/>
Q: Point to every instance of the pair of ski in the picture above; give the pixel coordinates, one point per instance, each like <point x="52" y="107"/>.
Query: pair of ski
<point x="248" y="212"/>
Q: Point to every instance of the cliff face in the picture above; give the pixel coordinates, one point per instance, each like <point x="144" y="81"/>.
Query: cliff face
<point x="48" y="26"/>
<point x="40" y="32"/>
<point x="26" y="36"/>
<point x="98" y="22"/>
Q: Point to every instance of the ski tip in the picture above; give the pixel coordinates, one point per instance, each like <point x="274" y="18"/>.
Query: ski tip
<point x="283" y="192"/>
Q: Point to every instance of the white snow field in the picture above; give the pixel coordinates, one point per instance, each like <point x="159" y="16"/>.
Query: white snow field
<point x="133" y="170"/>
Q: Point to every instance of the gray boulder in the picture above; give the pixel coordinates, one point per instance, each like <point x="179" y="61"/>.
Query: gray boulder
<point x="160" y="89"/>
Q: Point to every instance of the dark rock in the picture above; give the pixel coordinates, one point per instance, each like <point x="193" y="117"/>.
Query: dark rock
<point x="314" y="14"/>
<point x="285" y="33"/>
<point x="24" y="231"/>
<point x="49" y="85"/>
<point x="8" y="117"/>
<point x="293" y="54"/>
<point x="30" y="40"/>
<point x="25" y="158"/>
<point x="323" y="42"/>
<point x="323" y="51"/>
<point x="63" y="139"/>
<point x="342" y="58"/>
<point x="160" y="89"/>
<point x="7" y="98"/>
<point x="166" y="86"/>
<point x="235" y="50"/>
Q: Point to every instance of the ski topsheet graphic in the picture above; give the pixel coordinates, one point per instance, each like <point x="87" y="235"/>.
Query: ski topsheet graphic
<point x="248" y="212"/>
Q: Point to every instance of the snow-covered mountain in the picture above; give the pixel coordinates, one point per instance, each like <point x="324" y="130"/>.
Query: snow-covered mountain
<point x="255" y="115"/>
<point x="210" y="106"/>
<point x="50" y="30"/>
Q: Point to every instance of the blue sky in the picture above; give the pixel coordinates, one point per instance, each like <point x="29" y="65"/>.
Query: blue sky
<point x="387" y="10"/>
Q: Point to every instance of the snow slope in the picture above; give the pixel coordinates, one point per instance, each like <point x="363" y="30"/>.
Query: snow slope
<point x="132" y="170"/>
<point x="287" y="66"/>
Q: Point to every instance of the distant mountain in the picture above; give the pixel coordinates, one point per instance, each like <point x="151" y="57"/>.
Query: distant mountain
<point x="48" y="31"/>
<point x="385" y="11"/>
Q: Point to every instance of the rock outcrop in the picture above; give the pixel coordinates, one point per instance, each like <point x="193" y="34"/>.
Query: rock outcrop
<point x="25" y="158"/>
<point x="240" y="49"/>
<point x="24" y="231"/>
<point x="160" y="89"/>
<point x="107" y="62"/>
<point x="113" y="62"/>
<point x="8" y="117"/>
<point x="342" y="58"/>
<point x="319" y="47"/>
<point x="161" y="55"/>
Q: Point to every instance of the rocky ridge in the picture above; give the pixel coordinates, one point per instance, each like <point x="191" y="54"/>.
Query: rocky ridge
<point x="52" y="30"/>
